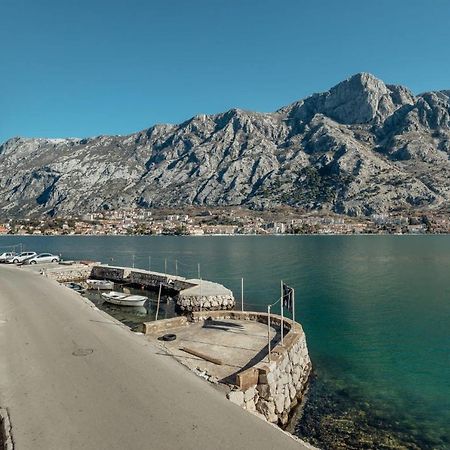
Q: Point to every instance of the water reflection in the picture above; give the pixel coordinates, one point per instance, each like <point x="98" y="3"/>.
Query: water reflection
<point x="134" y="316"/>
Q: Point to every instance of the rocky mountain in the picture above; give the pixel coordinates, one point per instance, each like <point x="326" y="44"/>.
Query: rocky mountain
<point x="362" y="147"/>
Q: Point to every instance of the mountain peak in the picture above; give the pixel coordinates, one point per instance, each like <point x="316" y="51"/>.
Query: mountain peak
<point x="361" y="98"/>
<point x="364" y="78"/>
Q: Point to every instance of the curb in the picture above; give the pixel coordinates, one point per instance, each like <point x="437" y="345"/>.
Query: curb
<point x="6" y="430"/>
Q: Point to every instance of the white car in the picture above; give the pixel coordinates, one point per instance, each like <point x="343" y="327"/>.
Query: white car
<point x="7" y="255"/>
<point x="20" y="258"/>
<point x="43" y="258"/>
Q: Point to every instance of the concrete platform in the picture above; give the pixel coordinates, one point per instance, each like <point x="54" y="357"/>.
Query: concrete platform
<point x="204" y="287"/>
<point x="238" y="344"/>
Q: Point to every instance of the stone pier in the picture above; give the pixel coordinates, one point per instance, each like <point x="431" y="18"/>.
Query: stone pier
<point x="190" y="294"/>
<point x="274" y="386"/>
<point x="269" y="386"/>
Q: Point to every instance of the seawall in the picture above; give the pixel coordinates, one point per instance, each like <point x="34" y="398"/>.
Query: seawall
<point x="67" y="273"/>
<point x="272" y="389"/>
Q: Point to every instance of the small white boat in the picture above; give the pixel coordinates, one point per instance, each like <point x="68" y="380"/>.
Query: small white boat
<point x="119" y="298"/>
<point x="103" y="285"/>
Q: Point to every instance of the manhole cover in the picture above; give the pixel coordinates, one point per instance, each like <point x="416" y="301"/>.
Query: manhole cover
<point x="82" y="352"/>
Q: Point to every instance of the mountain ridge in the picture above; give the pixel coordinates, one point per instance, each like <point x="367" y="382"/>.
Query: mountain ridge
<point x="360" y="148"/>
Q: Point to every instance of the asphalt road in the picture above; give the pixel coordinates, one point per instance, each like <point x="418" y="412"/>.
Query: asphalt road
<point x="74" y="378"/>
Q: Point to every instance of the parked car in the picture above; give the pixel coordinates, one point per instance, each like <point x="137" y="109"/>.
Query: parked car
<point x="6" y="255"/>
<point x="21" y="257"/>
<point x="42" y="258"/>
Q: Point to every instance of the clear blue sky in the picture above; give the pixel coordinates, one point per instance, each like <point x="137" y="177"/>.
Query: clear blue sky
<point x="89" y="67"/>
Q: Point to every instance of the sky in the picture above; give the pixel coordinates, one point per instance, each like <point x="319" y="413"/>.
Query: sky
<point x="77" y="68"/>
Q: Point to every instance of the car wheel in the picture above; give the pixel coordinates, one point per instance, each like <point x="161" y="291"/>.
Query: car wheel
<point x="54" y="260"/>
<point x="15" y="261"/>
<point x="32" y="262"/>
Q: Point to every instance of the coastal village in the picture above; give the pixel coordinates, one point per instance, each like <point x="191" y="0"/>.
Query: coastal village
<point x="228" y="221"/>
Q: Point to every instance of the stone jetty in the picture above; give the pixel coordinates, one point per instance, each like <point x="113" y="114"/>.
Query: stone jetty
<point x="190" y="294"/>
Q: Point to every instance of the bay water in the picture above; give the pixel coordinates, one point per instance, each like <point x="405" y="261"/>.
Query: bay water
<point x="375" y="309"/>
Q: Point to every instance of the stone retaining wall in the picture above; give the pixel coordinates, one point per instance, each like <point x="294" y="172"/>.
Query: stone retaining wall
<point x="189" y="303"/>
<point x="271" y="389"/>
<point x="65" y="274"/>
<point x="154" y="279"/>
<point x="109" y="273"/>
<point x="162" y="326"/>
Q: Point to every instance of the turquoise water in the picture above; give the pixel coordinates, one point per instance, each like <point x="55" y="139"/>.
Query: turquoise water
<point x="376" y="311"/>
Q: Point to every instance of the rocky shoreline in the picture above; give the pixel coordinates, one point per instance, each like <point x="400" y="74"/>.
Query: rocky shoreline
<point x="333" y="418"/>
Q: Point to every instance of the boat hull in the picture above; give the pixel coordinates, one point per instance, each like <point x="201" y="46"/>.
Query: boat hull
<point x="117" y="298"/>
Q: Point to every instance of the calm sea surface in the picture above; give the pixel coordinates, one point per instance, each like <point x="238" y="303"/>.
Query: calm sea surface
<point x="376" y="311"/>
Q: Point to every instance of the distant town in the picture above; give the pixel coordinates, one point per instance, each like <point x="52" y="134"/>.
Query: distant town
<point x="228" y="221"/>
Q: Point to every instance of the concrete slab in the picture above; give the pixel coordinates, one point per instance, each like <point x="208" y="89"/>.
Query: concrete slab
<point x="238" y="344"/>
<point x="207" y="288"/>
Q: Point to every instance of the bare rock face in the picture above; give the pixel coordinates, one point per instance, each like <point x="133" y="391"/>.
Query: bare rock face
<point x="360" y="99"/>
<point x="361" y="147"/>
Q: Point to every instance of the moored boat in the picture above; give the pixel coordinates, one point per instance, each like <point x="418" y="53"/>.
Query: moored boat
<point x="103" y="285"/>
<point x="119" y="298"/>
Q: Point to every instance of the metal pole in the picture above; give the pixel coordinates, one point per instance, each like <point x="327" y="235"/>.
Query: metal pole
<point x="282" y="313"/>
<point x="198" y="270"/>
<point x="242" y="294"/>
<point x="201" y="298"/>
<point x="149" y="263"/>
<point x="165" y="265"/>
<point x="176" y="267"/>
<point x="133" y="261"/>
<point x="159" y="299"/>
<point x="293" y="305"/>
<point x="268" y="331"/>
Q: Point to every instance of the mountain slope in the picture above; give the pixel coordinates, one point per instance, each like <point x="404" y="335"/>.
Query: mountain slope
<point x="361" y="147"/>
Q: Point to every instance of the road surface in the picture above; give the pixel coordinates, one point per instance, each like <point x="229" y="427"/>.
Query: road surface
<point x="74" y="378"/>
